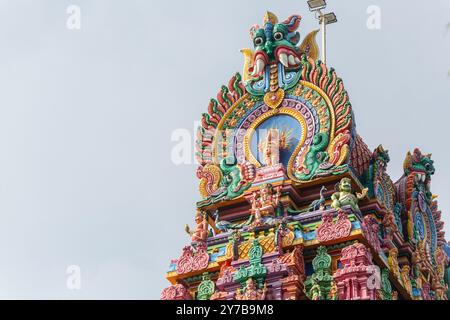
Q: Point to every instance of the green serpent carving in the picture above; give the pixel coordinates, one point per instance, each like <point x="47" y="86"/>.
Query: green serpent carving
<point x="236" y="179"/>
<point x="315" y="156"/>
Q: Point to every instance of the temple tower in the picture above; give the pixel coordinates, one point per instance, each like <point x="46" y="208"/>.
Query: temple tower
<point x="293" y="204"/>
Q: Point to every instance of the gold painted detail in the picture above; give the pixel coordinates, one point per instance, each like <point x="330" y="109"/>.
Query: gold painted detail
<point x="274" y="99"/>
<point x="267" y="242"/>
<point x="211" y="177"/>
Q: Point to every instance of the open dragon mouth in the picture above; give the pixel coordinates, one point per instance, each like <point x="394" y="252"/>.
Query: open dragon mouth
<point x="288" y="57"/>
<point x="259" y="63"/>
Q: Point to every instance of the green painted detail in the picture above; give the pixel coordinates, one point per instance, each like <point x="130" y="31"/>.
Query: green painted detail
<point x="420" y="163"/>
<point x="205" y="288"/>
<point x="318" y="285"/>
<point x="231" y="185"/>
<point x="345" y="197"/>
<point x="386" y="287"/>
<point x="316" y="155"/>
<point x="256" y="270"/>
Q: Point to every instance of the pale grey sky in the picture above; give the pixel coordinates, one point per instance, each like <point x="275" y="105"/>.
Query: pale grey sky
<point x="86" y="118"/>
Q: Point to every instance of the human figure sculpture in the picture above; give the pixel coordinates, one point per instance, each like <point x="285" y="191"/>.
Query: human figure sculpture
<point x="345" y="197"/>
<point x="250" y="291"/>
<point x="264" y="201"/>
<point x="315" y="292"/>
<point x="333" y="291"/>
<point x="271" y="147"/>
<point x="201" y="229"/>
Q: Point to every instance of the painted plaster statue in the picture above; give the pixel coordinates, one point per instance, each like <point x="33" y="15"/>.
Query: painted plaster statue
<point x="393" y="263"/>
<point x="201" y="229"/>
<point x="251" y="292"/>
<point x="423" y="167"/>
<point x="315" y="292"/>
<point x="277" y="42"/>
<point x="284" y="234"/>
<point x="406" y="280"/>
<point x="333" y="295"/>
<point x="264" y="203"/>
<point x="271" y="147"/>
<point x="345" y="197"/>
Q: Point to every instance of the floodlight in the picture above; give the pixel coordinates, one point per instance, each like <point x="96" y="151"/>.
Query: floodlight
<point x="330" y="18"/>
<point x="316" y="5"/>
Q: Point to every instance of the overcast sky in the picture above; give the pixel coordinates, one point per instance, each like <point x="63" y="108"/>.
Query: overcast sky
<point x="86" y="118"/>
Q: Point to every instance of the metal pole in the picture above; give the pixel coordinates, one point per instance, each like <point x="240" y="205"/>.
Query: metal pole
<point x="324" y="38"/>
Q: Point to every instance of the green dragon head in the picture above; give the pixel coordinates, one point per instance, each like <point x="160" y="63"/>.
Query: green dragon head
<point x="275" y="42"/>
<point x="381" y="156"/>
<point x="419" y="163"/>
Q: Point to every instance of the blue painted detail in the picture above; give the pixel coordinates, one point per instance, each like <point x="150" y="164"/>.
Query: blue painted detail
<point x="309" y="235"/>
<point x="172" y="267"/>
<point x="280" y="75"/>
<point x="259" y="104"/>
<point x="298" y="234"/>
<point x="419" y="224"/>
<point x="257" y="88"/>
<point x="447" y="249"/>
<point x="287" y="80"/>
<point x="267" y="78"/>
<point x="433" y="231"/>
<point x="214" y="256"/>
<point x="285" y="124"/>
<point x="356" y="225"/>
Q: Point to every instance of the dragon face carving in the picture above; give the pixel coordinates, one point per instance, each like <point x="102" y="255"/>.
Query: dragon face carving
<point x="275" y="42"/>
<point x="419" y="163"/>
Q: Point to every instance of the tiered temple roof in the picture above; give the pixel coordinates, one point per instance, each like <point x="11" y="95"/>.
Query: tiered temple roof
<point x="293" y="203"/>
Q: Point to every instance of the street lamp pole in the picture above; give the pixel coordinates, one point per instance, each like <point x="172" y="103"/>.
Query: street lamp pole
<point x="317" y="6"/>
<point x="323" y="27"/>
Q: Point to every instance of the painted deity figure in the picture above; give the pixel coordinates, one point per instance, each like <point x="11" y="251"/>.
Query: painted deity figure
<point x="201" y="229"/>
<point x="271" y="147"/>
<point x="315" y="292"/>
<point x="250" y="292"/>
<point x="406" y="280"/>
<point x="393" y="263"/>
<point x="264" y="201"/>
<point x="333" y="291"/>
<point x="345" y="197"/>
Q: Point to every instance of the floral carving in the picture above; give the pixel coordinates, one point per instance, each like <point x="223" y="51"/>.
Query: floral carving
<point x="190" y="261"/>
<point x="328" y="230"/>
<point x="176" y="292"/>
